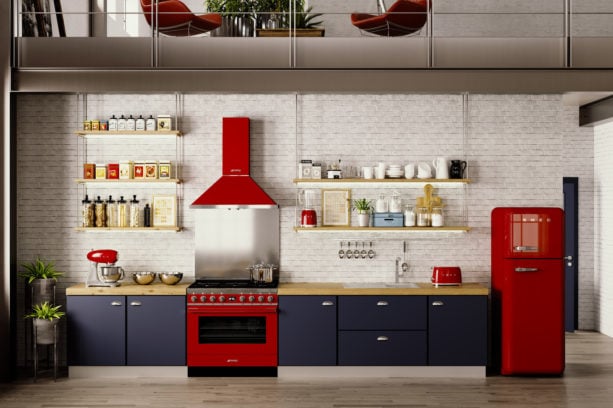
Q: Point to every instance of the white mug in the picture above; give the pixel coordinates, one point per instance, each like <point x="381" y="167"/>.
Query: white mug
<point x="409" y="171"/>
<point x="367" y="172"/>
<point x="441" y="168"/>
<point x="380" y="172"/>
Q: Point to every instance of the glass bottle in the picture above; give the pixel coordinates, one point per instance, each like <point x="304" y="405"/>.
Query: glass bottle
<point x="409" y="216"/>
<point x="134" y="212"/>
<point x="423" y="217"/>
<point x="111" y="212"/>
<point x="131" y="123"/>
<point x="150" y="123"/>
<point x="381" y="204"/>
<point x="147" y="216"/>
<point x="140" y="123"/>
<point x="395" y="203"/>
<point x="437" y="218"/>
<point x="87" y="213"/>
<point x="113" y="123"/>
<point x="121" y="123"/>
<point x="100" y="212"/>
<point x="123" y="218"/>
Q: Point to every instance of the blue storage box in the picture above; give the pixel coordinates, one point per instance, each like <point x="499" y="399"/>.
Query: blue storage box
<point x="389" y="220"/>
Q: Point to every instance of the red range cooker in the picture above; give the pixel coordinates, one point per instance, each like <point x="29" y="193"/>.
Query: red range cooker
<point x="231" y="324"/>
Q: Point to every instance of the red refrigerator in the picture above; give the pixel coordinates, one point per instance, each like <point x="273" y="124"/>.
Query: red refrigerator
<point x="528" y="290"/>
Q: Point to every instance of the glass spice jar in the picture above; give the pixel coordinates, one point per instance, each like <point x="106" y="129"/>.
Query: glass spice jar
<point x="87" y="213"/>
<point x="100" y="208"/>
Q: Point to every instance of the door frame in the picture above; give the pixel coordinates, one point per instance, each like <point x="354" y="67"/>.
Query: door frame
<point x="571" y="247"/>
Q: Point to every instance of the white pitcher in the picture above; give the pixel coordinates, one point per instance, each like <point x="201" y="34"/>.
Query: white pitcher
<point x="441" y="168"/>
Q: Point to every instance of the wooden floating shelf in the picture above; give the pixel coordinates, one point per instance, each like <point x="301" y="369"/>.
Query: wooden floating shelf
<point x="386" y="229"/>
<point x="129" y="133"/>
<point x="144" y="181"/>
<point x="381" y="181"/>
<point x="135" y="229"/>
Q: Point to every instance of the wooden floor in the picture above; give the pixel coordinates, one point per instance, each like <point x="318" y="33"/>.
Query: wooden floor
<point x="588" y="382"/>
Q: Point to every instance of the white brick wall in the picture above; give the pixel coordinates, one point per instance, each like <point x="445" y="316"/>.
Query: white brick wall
<point x="516" y="146"/>
<point x="603" y="233"/>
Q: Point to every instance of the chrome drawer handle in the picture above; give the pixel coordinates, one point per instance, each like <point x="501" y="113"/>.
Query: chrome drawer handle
<point x="116" y="303"/>
<point x="136" y="303"/>
<point x="438" y="303"/>
<point x="526" y="269"/>
<point x="382" y="338"/>
<point x="526" y="248"/>
<point x="382" y="303"/>
<point x="327" y="303"/>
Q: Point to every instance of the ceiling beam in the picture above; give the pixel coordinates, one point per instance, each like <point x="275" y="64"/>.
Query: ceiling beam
<point x="597" y="112"/>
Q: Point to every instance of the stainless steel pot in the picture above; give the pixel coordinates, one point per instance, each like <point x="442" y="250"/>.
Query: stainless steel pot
<point x="261" y="273"/>
<point x="110" y="274"/>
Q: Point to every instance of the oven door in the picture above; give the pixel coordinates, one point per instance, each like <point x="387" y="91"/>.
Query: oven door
<point x="228" y="336"/>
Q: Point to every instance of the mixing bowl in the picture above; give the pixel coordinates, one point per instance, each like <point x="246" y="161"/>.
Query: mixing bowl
<point x="143" y="278"/>
<point x="170" y="278"/>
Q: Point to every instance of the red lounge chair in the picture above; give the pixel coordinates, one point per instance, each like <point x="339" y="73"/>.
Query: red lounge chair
<point x="182" y="22"/>
<point x="402" y="18"/>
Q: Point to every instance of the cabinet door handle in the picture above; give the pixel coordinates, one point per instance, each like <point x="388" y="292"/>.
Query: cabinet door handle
<point x="327" y="303"/>
<point x="526" y="269"/>
<point x="382" y="338"/>
<point x="136" y="303"/>
<point x="116" y="303"/>
<point x="438" y="303"/>
<point x="382" y="303"/>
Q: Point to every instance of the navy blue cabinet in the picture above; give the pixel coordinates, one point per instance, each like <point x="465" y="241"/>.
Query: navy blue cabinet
<point x="457" y="330"/>
<point x="96" y="330"/>
<point x="382" y="330"/>
<point x="156" y="330"/>
<point x="307" y="330"/>
<point x="120" y="330"/>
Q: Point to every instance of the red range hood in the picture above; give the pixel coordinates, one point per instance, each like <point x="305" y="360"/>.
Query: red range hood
<point x="235" y="187"/>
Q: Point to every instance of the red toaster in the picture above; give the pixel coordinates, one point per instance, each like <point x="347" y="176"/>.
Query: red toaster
<point x="446" y="276"/>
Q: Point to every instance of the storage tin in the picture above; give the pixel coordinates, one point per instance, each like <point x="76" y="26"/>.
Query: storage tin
<point x="100" y="171"/>
<point x="139" y="170"/>
<point x="126" y="170"/>
<point x="388" y="220"/>
<point x="151" y="170"/>
<point x="89" y="171"/>
<point x="113" y="171"/>
<point x="165" y="170"/>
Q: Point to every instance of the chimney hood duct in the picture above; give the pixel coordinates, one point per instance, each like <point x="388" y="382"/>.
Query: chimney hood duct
<point x="235" y="187"/>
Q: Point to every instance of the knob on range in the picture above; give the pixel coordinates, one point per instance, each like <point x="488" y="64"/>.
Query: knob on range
<point x="212" y="298"/>
<point x="271" y="298"/>
<point x="241" y="298"/>
<point x="251" y="298"/>
<point x="193" y="298"/>
<point x="260" y="299"/>
<point x="222" y="299"/>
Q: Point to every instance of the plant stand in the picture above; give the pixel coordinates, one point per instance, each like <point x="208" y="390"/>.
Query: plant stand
<point x="36" y="293"/>
<point x="43" y="339"/>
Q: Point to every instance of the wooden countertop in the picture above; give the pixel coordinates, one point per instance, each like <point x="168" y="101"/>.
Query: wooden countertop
<point x="130" y="289"/>
<point x="423" y="288"/>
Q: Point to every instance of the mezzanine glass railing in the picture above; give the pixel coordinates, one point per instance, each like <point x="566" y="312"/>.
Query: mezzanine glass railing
<point x="554" y="34"/>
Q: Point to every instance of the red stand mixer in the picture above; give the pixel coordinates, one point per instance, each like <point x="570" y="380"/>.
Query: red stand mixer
<point x="308" y="217"/>
<point x="103" y="271"/>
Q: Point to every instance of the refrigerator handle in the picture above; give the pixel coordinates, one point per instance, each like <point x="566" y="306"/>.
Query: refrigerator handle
<point x="526" y="248"/>
<point x="526" y="269"/>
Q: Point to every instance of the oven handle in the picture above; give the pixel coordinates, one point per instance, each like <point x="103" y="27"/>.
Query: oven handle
<point x="226" y="310"/>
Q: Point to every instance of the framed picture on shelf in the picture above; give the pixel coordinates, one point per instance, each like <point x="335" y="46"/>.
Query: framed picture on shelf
<point x="164" y="211"/>
<point x="335" y="207"/>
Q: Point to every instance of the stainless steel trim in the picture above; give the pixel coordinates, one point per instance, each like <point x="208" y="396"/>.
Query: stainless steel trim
<point x="526" y="269"/>
<point x="235" y="207"/>
<point x="526" y="248"/>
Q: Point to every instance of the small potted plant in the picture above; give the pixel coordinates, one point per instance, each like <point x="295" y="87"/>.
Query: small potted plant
<point x="42" y="277"/>
<point x="46" y="317"/>
<point x="363" y="207"/>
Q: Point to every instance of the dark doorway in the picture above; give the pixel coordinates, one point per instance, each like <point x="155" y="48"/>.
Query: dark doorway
<point x="571" y="252"/>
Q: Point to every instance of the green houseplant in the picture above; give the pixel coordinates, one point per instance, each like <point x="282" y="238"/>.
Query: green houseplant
<point x="42" y="277"/>
<point x="45" y="317"/>
<point x="363" y="207"/>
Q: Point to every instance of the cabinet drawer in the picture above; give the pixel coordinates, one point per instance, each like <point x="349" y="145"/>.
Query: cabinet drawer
<point x="382" y="313"/>
<point x="382" y="348"/>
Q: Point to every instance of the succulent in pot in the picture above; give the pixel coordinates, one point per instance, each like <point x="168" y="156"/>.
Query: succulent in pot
<point x="45" y="317"/>
<point x="42" y="277"/>
<point x="363" y="207"/>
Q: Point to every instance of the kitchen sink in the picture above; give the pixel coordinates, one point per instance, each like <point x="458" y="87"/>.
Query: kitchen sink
<point x="380" y="285"/>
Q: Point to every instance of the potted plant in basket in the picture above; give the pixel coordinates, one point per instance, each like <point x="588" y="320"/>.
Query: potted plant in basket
<point x="42" y="277"/>
<point x="363" y="207"/>
<point x="46" y="318"/>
